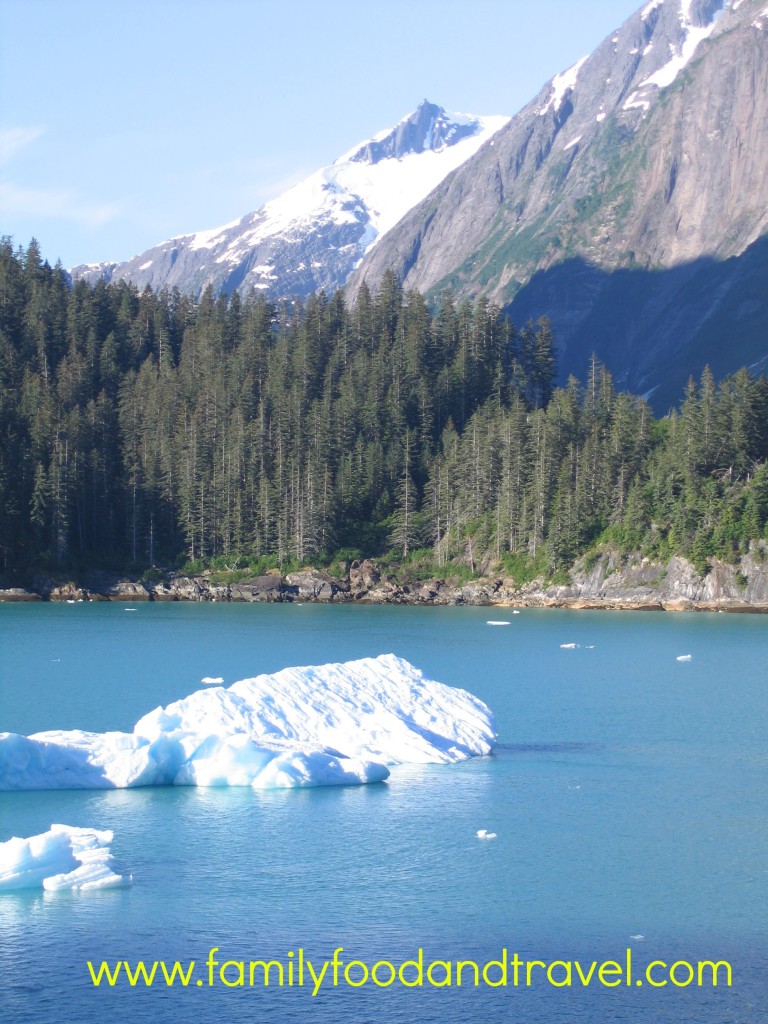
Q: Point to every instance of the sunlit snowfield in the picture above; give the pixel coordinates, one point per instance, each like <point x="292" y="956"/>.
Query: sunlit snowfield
<point x="628" y="794"/>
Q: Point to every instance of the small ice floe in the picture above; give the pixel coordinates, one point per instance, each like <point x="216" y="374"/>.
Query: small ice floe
<point x="683" y="657"/>
<point x="569" y="647"/>
<point x="64" y="857"/>
<point x="516" y="612"/>
<point x="637" y="938"/>
<point x="129" y="609"/>
<point x="71" y="600"/>
<point x="498" y="622"/>
<point x="483" y="833"/>
<point x="212" y="680"/>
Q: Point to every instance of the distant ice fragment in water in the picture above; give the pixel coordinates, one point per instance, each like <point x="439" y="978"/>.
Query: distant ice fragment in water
<point x="337" y="724"/>
<point x="498" y="622"/>
<point x="129" y="609"/>
<point x="483" y="833"/>
<point x="212" y="680"/>
<point x="516" y="611"/>
<point x="569" y="647"/>
<point x="63" y="858"/>
<point x="637" y="938"/>
<point x="684" y="657"/>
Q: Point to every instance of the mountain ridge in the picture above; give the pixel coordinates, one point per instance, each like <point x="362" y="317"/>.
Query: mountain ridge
<point x="313" y="235"/>
<point x="649" y="154"/>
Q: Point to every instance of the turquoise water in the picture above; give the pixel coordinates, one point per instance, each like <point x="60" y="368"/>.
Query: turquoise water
<point x="628" y="793"/>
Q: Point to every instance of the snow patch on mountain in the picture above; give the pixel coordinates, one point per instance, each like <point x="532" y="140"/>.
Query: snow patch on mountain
<point x="561" y="84"/>
<point x="694" y="34"/>
<point x="650" y="8"/>
<point x="208" y="239"/>
<point x="680" y="53"/>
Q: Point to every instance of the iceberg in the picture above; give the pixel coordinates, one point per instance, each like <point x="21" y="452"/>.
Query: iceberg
<point x="63" y="858"/>
<point x="336" y="724"/>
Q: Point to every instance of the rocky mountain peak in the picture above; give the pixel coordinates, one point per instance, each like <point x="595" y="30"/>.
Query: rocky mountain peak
<point x="429" y="127"/>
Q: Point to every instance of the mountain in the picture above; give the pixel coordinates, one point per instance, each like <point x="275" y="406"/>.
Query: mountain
<point x="313" y="235"/>
<point x="628" y="201"/>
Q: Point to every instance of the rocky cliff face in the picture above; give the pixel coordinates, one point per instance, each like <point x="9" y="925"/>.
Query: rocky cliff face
<point x="645" y="160"/>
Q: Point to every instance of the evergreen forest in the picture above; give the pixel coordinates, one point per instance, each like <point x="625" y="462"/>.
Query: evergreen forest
<point x="142" y="429"/>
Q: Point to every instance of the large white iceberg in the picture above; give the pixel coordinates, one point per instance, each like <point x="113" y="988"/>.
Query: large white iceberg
<point x="314" y="726"/>
<point x="64" y="857"/>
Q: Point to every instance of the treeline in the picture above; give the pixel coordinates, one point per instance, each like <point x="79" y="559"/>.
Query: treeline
<point x="143" y="429"/>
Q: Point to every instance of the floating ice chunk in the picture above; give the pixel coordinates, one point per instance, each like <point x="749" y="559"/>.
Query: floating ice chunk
<point x="683" y="657"/>
<point x="314" y="726"/>
<point x="637" y="938"/>
<point x="569" y="647"/>
<point x="498" y="622"/>
<point x="64" y="857"/>
<point x="483" y="833"/>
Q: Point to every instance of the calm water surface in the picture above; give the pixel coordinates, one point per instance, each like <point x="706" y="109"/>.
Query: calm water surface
<point x="628" y="792"/>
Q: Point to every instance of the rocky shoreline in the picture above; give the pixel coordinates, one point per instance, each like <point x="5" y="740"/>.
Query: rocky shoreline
<point x="609" y="581"/>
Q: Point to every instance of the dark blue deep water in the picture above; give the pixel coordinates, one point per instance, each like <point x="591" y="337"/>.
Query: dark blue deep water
<point x="628" y="794"/>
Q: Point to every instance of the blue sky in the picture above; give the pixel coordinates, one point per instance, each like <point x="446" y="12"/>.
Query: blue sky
<point x="125" y="123"/>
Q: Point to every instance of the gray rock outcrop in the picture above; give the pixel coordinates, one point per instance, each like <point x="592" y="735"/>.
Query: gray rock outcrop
<point x="607" y="580"/>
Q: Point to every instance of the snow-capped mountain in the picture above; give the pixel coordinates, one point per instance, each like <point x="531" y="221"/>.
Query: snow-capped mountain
<point x="313" y="235"/>
<point x="628" y="201"/>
